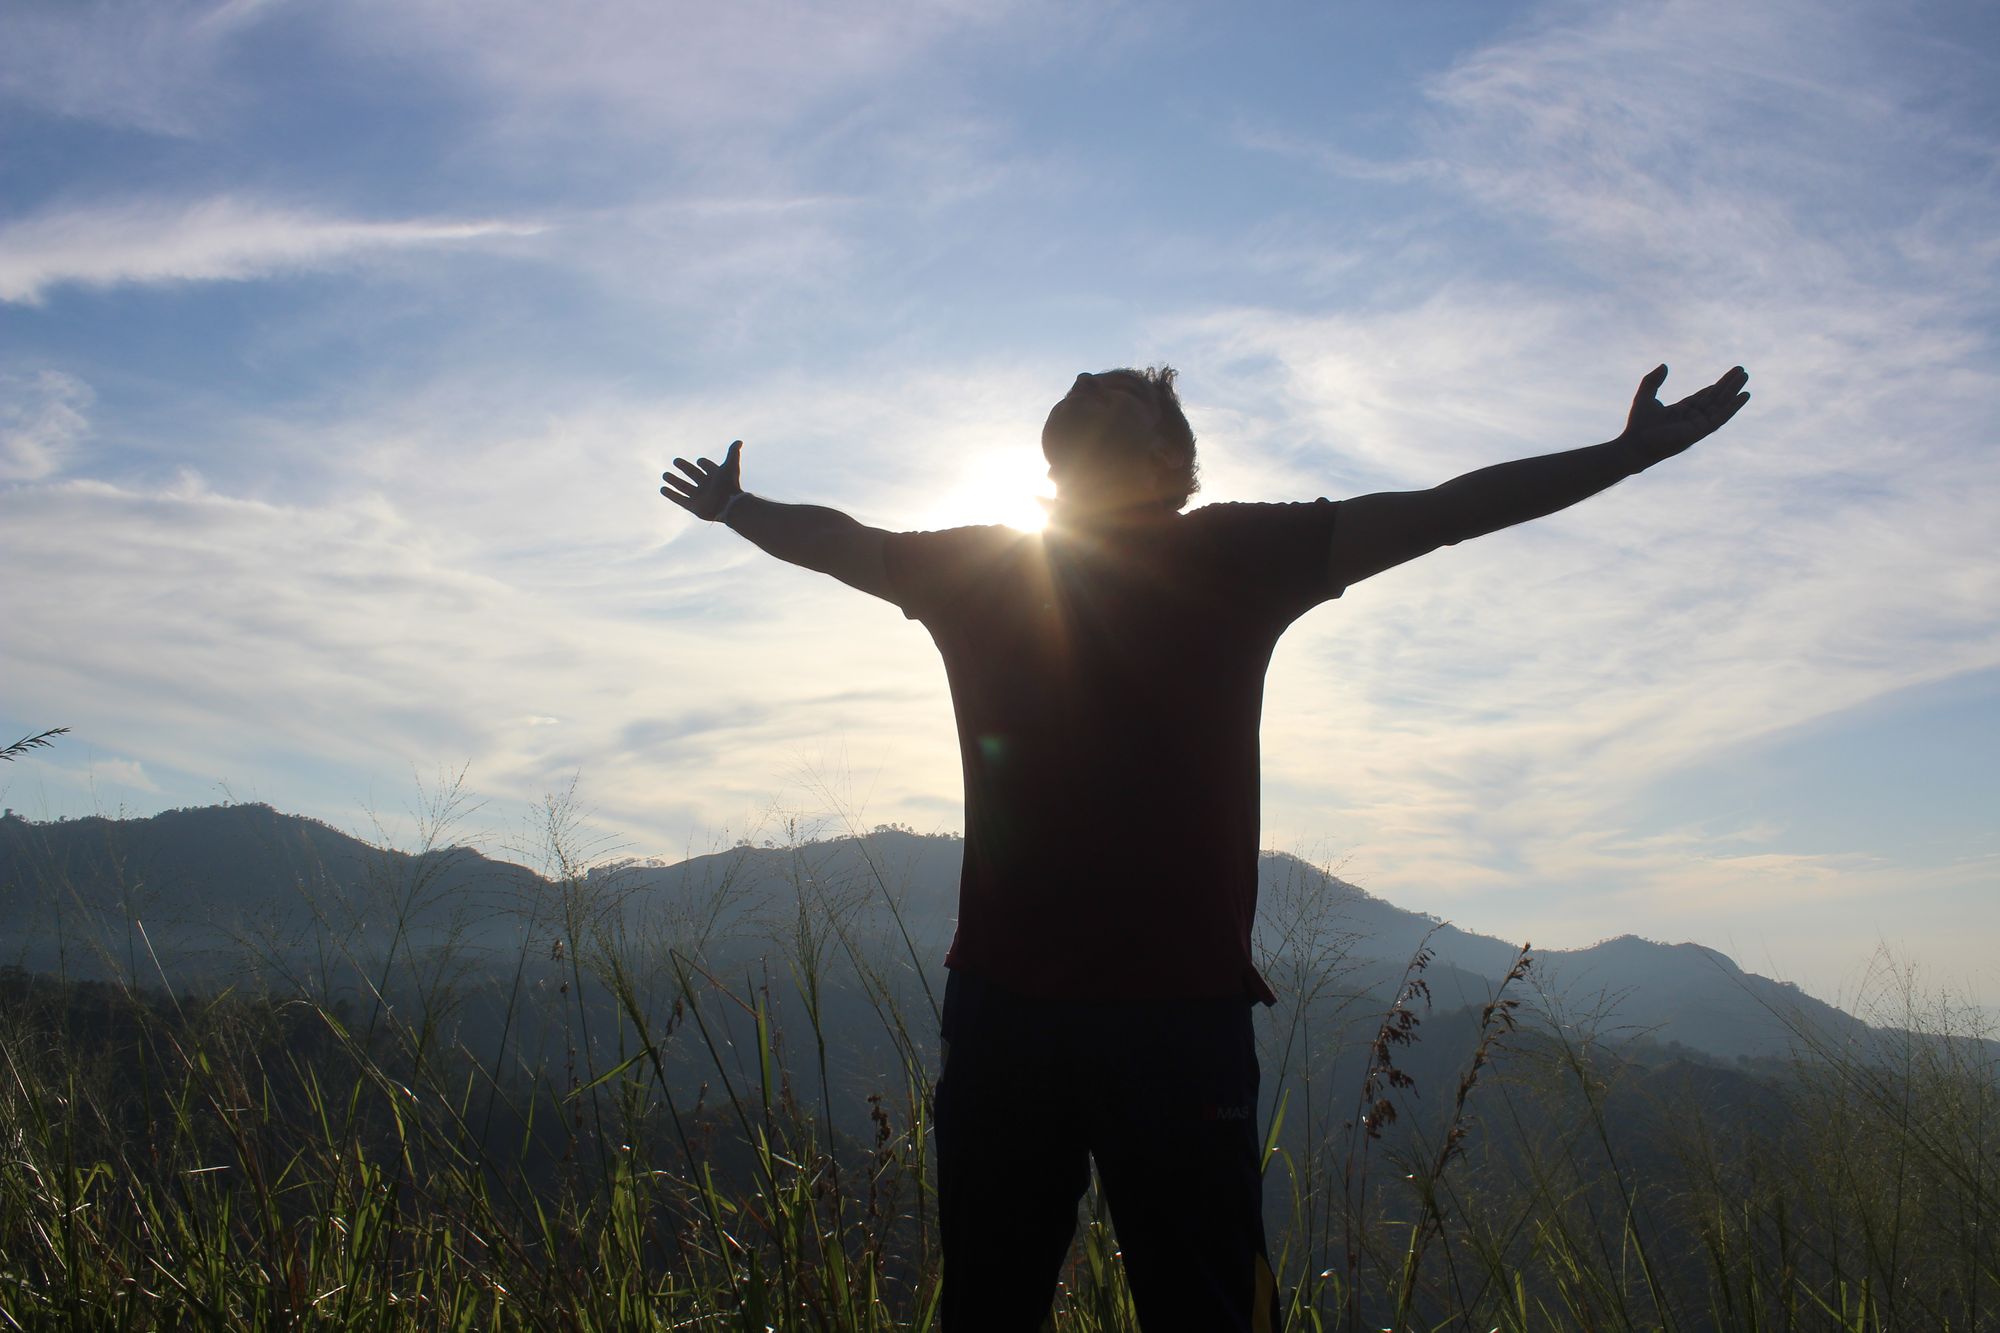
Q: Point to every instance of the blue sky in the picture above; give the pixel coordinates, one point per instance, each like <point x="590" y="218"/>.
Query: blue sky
<point x="341" y="348"/>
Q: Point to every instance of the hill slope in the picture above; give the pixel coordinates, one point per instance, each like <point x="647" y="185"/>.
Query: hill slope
<point x="219" y="888"/>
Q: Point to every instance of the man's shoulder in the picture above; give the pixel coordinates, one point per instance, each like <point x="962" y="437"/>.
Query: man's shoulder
<point x="1256" y="515"/>
<point x="980" y="543"/>
<point x="977" y="534"/>
<point x="1281" y="549"/>
<point x="1227" y="511"/>
<point x="929" y="570"/>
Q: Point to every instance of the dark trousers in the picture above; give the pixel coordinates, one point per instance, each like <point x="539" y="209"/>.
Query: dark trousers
<point x="1163" y="1093"/>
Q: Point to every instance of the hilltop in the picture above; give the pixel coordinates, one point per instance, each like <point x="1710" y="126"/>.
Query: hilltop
<point x="203" y="890"/>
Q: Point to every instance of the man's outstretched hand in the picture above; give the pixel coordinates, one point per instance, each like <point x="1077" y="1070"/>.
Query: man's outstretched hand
<point x="708" y="485"/>
<point x="1657" y="431"/>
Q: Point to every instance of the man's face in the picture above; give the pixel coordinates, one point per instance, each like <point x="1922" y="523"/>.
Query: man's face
<point x="1103" y="442"/>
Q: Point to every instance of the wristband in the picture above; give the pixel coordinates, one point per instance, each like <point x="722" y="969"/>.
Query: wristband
<point x="722" y="515"/>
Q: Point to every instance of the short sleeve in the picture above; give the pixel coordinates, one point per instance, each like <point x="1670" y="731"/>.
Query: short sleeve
<point x="933" y="571"/>
<point x="1280" y="554"/>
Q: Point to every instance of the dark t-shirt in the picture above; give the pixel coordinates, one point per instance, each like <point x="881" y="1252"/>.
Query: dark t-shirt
<point x="1109" y="689"/>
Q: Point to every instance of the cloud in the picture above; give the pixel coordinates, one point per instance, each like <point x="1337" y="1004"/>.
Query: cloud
<point x="1492" y="707"/>
<point x="128" y="773"/>
<point x="352" y="637"/>
<point x="224" y="238"/>
<point x="1489" y="719"/>
<point x="1782" y="142"/>
<point x="636" y="70"/>
<point x="152" y="65"/>
<point x="42" y="422"/>
<point x="491" y="555"/>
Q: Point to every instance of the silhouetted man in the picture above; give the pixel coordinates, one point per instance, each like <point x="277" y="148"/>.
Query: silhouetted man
<point x="1108" y="679"/>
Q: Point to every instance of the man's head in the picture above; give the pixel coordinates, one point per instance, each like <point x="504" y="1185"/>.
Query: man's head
<point x="1119" y="440"/>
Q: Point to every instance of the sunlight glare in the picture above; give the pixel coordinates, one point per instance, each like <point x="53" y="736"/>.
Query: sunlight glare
<point x="995" y="485"/>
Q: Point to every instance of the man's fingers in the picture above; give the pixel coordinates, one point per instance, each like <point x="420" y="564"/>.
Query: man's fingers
<point x="685" y="490"/>
<point x="1711" y="408"/>
<point x="1703" y="400"/>
<point x="1649" y="388"/>
<point x="1726" y="394"/>
<point x="1701" y="413"/>
<point x="703" y="468"/>
<point x="1728" y="384"/>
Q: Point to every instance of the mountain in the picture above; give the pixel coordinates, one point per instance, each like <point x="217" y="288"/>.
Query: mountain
<point x="1620" y="988"/>
<point x="217" y="892"/>
<point x="208" y="891"/>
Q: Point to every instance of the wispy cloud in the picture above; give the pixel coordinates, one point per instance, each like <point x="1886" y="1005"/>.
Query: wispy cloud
<point x="509" y="611"/>
<point x="635" y="70"/>
<point x="1498" y="712"/>
<point x="1730" y="141"/>
<point x="127" y="774"/>
<point x="224" y="238"/>
<point x="42" y="422"/>
<point x="146" y="64"/>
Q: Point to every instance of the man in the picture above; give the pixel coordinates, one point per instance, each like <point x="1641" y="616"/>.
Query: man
<point x="1107" y="676"/>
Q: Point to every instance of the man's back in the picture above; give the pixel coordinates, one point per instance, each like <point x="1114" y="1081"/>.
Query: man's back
<point x="1108" y="685"/>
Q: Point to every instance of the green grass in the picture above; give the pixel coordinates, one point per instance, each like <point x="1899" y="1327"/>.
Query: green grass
<point x="651" y="1145"/>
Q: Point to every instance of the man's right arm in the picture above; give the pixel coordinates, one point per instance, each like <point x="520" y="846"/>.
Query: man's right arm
<point x="807" y="535"/>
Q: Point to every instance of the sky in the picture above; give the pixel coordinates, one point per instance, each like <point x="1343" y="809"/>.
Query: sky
<point x="342" y="346"/>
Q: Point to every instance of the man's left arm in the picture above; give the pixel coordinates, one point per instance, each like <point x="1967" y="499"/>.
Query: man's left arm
<point x="1377" y="532"/>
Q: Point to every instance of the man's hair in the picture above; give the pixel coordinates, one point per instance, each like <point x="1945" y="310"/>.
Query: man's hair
<point x="1159" y="382"/>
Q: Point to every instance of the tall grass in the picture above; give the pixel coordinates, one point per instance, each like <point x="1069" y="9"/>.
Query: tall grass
<point x="646" y="1130"/>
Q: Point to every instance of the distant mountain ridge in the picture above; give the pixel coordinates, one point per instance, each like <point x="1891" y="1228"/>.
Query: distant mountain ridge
<point x="207" y="883"/>
<point x="203" y="886"/>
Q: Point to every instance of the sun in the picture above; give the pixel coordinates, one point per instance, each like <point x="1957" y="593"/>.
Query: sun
<point x="996" y="485"/>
